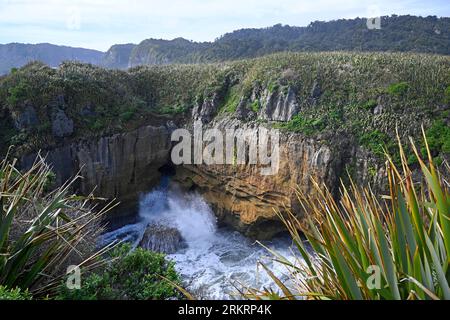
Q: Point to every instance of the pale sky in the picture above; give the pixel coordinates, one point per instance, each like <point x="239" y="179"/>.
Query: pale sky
<point x="98" y="24"/>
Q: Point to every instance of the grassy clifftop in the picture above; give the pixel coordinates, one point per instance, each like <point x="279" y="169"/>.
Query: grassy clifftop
<point x="365" y="95"/>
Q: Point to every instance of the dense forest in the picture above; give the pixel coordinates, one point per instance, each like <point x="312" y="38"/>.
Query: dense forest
<point x="397" y="33"/>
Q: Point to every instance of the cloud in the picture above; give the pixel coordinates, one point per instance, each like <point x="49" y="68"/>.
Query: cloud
<point x="101" y="23"/>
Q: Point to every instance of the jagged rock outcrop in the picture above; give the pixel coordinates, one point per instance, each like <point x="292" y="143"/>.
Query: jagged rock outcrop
<point x="207" y="110"/>
<point x="62" y="125"/>
<point x="279" y="106"/>
<point x="243" y="112"/>
<point x="162" y="239"/>
<point x="26" y="119"/>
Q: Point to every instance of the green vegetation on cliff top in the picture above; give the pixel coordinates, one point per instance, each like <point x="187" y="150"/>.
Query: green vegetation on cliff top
<point x="351" y="93"/>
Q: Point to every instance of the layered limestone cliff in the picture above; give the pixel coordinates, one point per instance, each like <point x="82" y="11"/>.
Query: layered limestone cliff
<point x="117" y="166"/>
<point x="123" y="165"/>
<point x="249" y="201"/>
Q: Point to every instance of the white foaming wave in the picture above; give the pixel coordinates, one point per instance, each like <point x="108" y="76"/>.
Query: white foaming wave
<point x="230" y="259"/>
<point x="193" y="218"/>
<point x="214" y="258"/>
<point x="187" y="212"/>
<point x="152" y="205"/>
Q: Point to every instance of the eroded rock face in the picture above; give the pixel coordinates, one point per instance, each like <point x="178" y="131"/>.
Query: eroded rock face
<point x="207" y="110"/>
<point x="247" y="200"/>
<point x="122" y="165"/>
<point x="26" y="118"/>
<point x="316" y="91"/>
<point x="162" y="239"/>
<point x="118" y="166"/>
<point x="244" y="198"/>
<point x="62" y="125"/>
<point x="243" y="112"/>
<point x="279" y="106"/>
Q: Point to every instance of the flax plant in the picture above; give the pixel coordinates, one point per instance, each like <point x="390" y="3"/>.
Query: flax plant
<point x="391" y="247"/>
<point x="41" y="232"/>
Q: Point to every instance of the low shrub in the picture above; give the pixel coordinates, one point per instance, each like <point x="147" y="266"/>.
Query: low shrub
<point x="398" y="89"/>
<point x="375" y="141"/>
<point x="18" y="93"/>
<point x="14" y="294"/>
<point x="370" y="105"/>
<point x="438" y="136"/>
<point x="255" y="106"/>
<point x="304" y="125"/>
<point x="131" y="275"/>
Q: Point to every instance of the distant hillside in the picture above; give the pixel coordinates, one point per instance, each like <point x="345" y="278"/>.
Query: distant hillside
<point x="15" y="55"/>
<point x="157" y="52"/>
<point x="398" y="33"/>
<point x="118" y="56"/>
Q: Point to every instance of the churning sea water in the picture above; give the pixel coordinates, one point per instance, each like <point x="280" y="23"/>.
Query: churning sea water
<point x="215" y="261"/>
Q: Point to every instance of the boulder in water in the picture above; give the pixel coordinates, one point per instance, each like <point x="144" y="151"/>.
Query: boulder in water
<point x="162" y="239"/>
